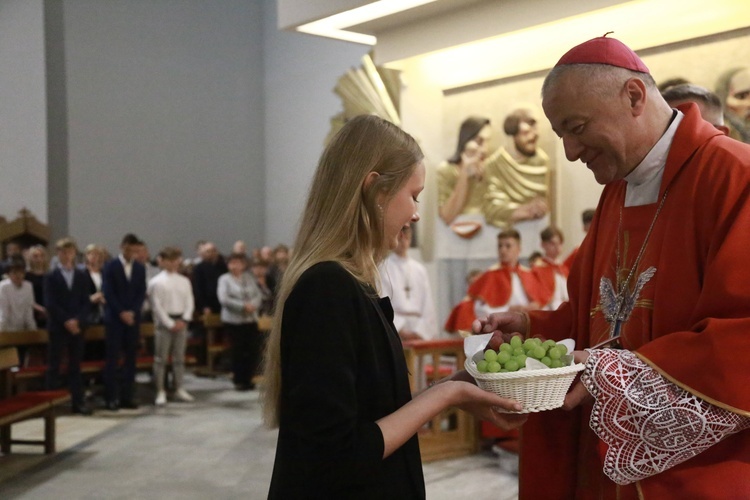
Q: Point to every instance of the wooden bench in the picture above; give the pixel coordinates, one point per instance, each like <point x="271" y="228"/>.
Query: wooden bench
<point x="213" y="346"/>
<point x="15" y="408"/>
<point x="452" y="433"/>
<point x="216" y="345"/>
<point x="38" y="339"/>
<point x="145" y="358"/>
<point x="34" y="366"/>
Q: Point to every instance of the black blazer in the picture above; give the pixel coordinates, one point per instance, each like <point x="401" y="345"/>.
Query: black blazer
<point x="343" y="368"/>
<point x="121" y="294"/>
<point x="63" y="303"/>
<point x="205" y="283"/>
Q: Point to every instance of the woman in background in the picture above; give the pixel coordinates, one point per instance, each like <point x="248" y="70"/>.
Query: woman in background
<point x="240" y="300"/>
<point x="94" y="261"/>
<point x="37" y="267"/>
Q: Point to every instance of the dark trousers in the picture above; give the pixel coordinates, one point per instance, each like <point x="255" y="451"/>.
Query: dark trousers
<point x="245" y="342"/>
<point x="58" y="340"/>
<point x="120" y="338"/>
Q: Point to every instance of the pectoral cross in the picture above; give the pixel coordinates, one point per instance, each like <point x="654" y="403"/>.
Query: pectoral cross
<point x="407" y="289"/>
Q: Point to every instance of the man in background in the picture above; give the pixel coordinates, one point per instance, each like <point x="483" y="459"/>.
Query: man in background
<point x="733" y="88"/>
<point x="550" y="269"/>
<point x="124" y="287"/>
<point x="405" y="281"/>
<point x="708" y="103"/>
<point x="66" y="297"/>
<point x="206" y="278"/>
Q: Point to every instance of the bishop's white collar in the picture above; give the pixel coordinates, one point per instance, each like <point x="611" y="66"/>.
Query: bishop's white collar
<point x="645" y="180"/>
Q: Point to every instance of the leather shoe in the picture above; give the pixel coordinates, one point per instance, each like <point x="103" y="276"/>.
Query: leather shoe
<point x="82" y="409"/>
<point x="112" y="405"/>
<point x="129" y="404"/>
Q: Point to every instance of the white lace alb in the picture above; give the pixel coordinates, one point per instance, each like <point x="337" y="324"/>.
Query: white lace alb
<point x="649" y="423"/>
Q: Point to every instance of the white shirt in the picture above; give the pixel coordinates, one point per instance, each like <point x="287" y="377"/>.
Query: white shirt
<point x="404" y="280"/>
<point x="96" y="277"/>
<point x="170" y="294"/>
<point x="560" y="294"/>
<point x="127" y="266"/>
<point x="16" y="306"/>
<point x="645" y="180"/>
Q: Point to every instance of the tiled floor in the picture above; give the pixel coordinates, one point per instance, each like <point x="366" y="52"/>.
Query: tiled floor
<point x="215" y="448"/>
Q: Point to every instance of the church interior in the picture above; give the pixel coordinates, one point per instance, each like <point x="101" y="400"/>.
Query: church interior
<point x="193" y="121"/>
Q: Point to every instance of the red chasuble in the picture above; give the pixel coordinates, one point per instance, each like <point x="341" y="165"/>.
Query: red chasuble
<point x="568" y="263"/>
<point x="690" y="321"/>
<point x="461" y="317"/>
<point x="495" y="286"/>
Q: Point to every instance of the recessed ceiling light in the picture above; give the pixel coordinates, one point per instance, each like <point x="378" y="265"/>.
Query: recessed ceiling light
<point x="335" y="26"/>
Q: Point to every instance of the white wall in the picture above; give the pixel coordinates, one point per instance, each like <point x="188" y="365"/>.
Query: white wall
<point x="165" y="121"/>
<point x="23" y="126"/>
<point x="176" y="119"/>
<point x="300" y="73"/>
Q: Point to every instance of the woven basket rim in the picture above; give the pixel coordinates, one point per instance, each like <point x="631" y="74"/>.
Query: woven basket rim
<point x="471" y="367"/>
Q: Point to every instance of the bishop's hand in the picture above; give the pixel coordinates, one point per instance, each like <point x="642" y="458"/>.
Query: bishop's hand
<point x="579" y="395"/>
<point x="502" y="325"/>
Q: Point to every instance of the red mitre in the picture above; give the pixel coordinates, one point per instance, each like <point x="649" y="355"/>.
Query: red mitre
<point x="603" y="50"/>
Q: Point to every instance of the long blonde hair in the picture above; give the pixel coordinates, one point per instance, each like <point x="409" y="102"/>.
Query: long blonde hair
<point x="343" y="219"/>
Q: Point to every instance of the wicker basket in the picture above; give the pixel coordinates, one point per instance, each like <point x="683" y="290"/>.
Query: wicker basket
<point x="537" y="390"/>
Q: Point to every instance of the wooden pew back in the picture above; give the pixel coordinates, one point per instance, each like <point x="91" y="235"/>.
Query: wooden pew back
<point x="24" y="338"/>
<point x="8" y="358"/>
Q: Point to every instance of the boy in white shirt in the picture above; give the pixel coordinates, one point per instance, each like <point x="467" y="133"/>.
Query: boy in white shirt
<point x="16" y="300"/>
<point x="171" y="297"/>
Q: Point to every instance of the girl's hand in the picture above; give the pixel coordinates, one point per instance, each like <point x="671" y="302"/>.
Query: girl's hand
<point x="483" y="405"/>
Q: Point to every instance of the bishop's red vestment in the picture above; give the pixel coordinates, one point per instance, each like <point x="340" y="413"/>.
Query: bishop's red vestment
<point x="690" y="322"/>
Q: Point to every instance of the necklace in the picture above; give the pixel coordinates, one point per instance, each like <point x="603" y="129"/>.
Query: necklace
<point x="618" y="306"/>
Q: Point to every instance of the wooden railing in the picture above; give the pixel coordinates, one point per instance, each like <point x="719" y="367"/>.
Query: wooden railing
<point x="452" y="433"/>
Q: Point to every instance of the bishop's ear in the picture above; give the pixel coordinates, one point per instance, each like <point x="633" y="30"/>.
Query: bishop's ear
<point x="637" y="95"/>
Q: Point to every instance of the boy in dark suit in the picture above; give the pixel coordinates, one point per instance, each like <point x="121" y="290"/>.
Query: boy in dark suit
<point x="124" y="287"/>
<point x="66" y="297"/>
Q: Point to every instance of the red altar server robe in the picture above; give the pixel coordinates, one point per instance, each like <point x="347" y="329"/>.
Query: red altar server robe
<point x="495" y="286"/>
<point x="546" y="271"/>
<point x="691" y="322"/>
<point x="461" y="317"/>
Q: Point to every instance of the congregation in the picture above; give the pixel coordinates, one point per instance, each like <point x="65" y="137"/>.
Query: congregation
<point x="75" y="289"/>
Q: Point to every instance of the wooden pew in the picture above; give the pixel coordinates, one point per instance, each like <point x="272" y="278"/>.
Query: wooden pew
<point x="144" y="360"/>
<point x="35" y="341"/>
<point x="15" y="408"/>
<point x="452" y="433"/>
<point x="213" y="346"/>
<point x="23" y="375"/>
